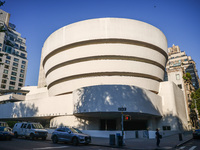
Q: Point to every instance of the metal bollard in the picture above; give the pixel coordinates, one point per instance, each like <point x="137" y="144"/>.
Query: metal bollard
<point x="180" y="137"/>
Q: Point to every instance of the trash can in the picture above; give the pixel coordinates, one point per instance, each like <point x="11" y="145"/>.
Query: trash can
<point x="119" y="139"/>
<point x="112" y="139"/>
<point x="180" y="137"/>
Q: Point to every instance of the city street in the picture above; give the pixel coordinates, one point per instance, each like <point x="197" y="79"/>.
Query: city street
<point x="191" y="145"/>
<point x="24" y="144"/>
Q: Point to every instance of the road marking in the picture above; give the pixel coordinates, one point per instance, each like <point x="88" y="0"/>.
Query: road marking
<point x="182" y="147"/>
<point x="50" y="147"/>
<point x="193" y="147"/>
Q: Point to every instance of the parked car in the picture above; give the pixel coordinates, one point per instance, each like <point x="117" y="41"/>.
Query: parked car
<point x="30" y="130"/>
<point x="6" y="133"/>
<point x="196" y="134"/>
<point x="3" y="124"/>
<point x="71" y="135"/>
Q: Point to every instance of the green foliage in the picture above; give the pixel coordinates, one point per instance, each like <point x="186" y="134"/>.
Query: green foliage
<point x="11" y="123"/>
<point x="196" y="96"/>
<point x="187" y="76"/>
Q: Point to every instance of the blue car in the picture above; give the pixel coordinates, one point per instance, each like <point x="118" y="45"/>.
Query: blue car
<point x="71" y="135"/>
<point x="196" y="134"/>
<point x="6" y="133"/>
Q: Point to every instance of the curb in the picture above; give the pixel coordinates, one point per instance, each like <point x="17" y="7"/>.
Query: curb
<point x="183" y="142"/>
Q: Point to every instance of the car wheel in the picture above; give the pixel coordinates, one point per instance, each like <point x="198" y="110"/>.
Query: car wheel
<point x="15" y="135"/>
<point x="32" y="136"/>
<point x="55" y="139"/>
<point x="75" y="141"/>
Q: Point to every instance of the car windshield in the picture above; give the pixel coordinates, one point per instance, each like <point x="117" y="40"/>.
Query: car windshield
<point x="74" y="130"/>
<point x="37" y="126"/>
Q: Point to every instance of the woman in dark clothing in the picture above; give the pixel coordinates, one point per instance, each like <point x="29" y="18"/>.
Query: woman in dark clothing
<point x="157" y="137"/>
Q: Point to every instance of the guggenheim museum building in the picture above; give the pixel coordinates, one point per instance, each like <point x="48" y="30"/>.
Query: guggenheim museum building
<point x="92" y="68"/>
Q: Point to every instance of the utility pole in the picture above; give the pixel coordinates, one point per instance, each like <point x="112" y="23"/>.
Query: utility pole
<point x="122" y="109"/>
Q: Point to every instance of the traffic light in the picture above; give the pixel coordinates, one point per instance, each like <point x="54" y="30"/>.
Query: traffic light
<point x="127" y="118"/>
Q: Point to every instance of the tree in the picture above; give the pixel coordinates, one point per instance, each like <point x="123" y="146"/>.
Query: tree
<point x="187" y="76"/>
<point x="196" y="97"/>
<point x="1" y="3"/>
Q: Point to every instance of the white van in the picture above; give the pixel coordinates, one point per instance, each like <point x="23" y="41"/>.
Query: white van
<point x="30" y="130"/>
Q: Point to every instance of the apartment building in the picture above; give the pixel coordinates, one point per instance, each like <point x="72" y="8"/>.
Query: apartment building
<point x="177" y="66"/>
<point x="179" y="59"/>
<point x="13" y="55"/>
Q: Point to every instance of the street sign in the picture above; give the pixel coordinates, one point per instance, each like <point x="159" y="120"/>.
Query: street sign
<point x="121" y="108"/>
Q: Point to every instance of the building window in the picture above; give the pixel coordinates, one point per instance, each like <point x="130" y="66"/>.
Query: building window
<point x="16" y="45"/>
<point x="5" y="76"/>
<point x="107" y="124"/>
<point x="11" y="87"/>
<point x="180" y="86"/>
<point x="22" y="48"/>
<point x="14" y="73"/>
<point x="166" y="127"/>
<point x="22" y="66"/>
<point x="16" y="53"/>
<point x="23" y="55"/>
<point x="23" y="62"/>
<point x="15" y="64"/>
<point x="6" y="66"/>
<point x="177" y="77"/>
<point x="14" y="69"/>
<point x="7" y="62"/>
<point x="3" y="86"/>
<point x="11" y="38"/>
<point x="22" y="71"/>
<point x="8" y="49"/>
<point x="8" y="57"/>
<point x="21" y="75"/>
<point x="4" y="81"/>
<point x="12" y="83"/>
<point x="13" y="78"/>
<point x="5" y="71"/>
<point x="20" y="84"/>
<point x="21" y="80"/>
<point x="15" y="59"/>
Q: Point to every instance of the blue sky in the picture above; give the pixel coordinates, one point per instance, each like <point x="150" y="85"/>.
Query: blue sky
<point x="179" y="20"/>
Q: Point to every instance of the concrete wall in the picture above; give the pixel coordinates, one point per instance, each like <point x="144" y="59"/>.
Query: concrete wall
<point x="108" y="98"/>
<point x="46" y="107"/>
<point x="174" y="109"/>
<point x="12" y="96"/>
<point x="104" y="51"/>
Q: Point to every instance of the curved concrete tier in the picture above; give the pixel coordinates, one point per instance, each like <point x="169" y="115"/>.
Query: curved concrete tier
<point x="104" y="51"/>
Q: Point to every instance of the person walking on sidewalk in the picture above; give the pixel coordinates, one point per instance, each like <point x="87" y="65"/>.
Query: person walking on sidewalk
<point x="158" y="137"/>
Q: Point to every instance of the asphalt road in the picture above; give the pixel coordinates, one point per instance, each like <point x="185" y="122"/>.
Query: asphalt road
<point x="191" y="145"/>
<point x="25" y="144"/>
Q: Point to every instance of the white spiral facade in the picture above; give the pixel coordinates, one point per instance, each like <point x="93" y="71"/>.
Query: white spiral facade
<point x="105" y="51"/>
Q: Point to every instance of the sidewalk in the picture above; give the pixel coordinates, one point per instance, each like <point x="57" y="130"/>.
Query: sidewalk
<point x="146" y="144"/>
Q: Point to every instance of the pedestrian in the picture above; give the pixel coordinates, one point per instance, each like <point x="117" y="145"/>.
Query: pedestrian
<point x="158" y="137"/>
